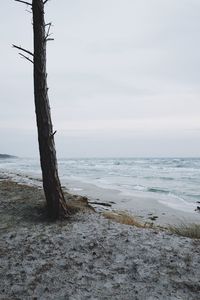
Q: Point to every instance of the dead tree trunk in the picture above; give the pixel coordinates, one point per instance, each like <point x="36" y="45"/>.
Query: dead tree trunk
<point x="56" y="204"/>
<point x="51" y="183"/>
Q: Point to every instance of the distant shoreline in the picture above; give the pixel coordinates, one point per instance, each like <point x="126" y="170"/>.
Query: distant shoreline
<point x="2" y="156"/>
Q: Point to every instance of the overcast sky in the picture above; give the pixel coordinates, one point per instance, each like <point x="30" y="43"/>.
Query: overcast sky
<point x="124" y="78"/>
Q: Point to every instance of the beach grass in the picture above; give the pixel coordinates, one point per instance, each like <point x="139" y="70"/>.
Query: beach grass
<point x="187" y="230"/>
<point x="124" y="218"/>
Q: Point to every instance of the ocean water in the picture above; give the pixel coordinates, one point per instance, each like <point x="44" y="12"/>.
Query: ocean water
<point x="173" y="181"/>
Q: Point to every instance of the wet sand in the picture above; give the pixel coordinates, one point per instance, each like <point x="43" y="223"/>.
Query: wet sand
<point x="153" y="208"/>
<point x="149" y="210"/>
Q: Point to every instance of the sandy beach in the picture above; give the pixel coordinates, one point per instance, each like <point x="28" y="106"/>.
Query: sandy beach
<point x="100" y="150"/>
<point x="88" y="256"/>
<point x="153" y="208"/>
<point x="145" y="209"/>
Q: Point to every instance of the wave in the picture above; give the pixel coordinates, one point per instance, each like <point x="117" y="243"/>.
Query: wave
<point x="166" y="178"/>
<point x="140" y="188"/>
<point x="157" y="190"/>
<point x="161" y="176"/>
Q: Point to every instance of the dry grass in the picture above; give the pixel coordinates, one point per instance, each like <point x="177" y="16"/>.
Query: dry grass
<point x="78" y="204"/>
<point x="188" y="230"/>
<point x="124" y="218"/>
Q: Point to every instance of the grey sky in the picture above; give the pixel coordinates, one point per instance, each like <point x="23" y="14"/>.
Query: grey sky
<point x="123" y="77"/>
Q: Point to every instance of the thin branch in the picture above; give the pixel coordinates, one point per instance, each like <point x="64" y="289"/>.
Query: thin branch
<point x="45" y="1"/>
<point x="52" y="134"/>
<point x="26" y="57"/>
<point x="47" y="34"/>
<point x="22" y="49"/>
<point x="24" y="2"/>
<point x="47" y="24"/>
<point x="30" y="12"/>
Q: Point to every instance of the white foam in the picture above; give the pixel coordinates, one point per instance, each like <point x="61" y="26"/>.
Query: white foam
<point x="178" y="204"/>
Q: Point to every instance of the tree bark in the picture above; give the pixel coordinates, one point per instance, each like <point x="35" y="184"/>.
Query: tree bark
<point x="56" y="204"/>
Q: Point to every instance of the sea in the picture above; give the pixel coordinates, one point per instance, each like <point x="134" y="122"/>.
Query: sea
<point x="173" y="181"/>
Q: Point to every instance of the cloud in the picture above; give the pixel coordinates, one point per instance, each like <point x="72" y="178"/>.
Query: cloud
<point x="114" y="66"/>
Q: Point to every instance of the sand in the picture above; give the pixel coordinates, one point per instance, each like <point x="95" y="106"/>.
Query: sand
<point x="87" y="256"/>
<point x="152" y="209"/>
<point x="138" y="205"/>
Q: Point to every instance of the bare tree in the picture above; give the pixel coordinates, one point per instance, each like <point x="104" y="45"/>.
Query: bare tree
<point x="56" y="205"/>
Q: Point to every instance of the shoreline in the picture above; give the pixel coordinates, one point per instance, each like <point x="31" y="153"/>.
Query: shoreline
<point x="153" y="209"/>
<point x="144" y="208"/>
